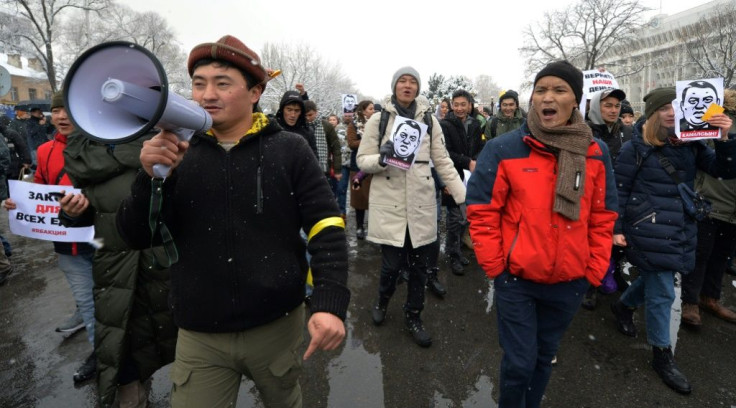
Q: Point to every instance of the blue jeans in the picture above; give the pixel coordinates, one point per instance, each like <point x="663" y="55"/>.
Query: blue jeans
<point x="656" y="291"/>
<point x="6" y="246"/>
<point x="342" y="189"/>
<point x="78" y="272"/>
<point x="532" y="318"/>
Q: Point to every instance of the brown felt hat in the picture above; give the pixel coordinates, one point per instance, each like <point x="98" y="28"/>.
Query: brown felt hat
<point x="232" y="50"/>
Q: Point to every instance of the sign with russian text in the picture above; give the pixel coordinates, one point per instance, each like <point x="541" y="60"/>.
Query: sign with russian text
<point x="595" y="80"/>
<point x="693" y="99"/>
<point x="407" y="138"/>
<point x="37" y="213"/>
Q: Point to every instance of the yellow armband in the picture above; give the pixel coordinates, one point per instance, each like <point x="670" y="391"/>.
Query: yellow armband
<point x="316" y="229"/>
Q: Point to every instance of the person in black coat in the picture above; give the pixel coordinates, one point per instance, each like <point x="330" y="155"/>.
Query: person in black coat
<point x="239" y="283"/>
<point x="20" y="155"/>
<point x="604" y="121"/>
<point x="658" y="234"/>
<point x="463" y="141"/>
<point x="292" y="116"/>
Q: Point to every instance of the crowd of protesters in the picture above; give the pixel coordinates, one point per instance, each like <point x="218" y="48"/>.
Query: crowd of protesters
<point x="555" y="202"/>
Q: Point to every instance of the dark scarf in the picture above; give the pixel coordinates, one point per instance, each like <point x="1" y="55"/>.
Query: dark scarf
<point x="405" y="112"/>
<point x="571" y="143"/>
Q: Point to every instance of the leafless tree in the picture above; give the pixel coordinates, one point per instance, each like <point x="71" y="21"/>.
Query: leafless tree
<point x="323" y="80"/>
<point x="121" y="23"/>
<point x="31" y="26"/>
<point x="487" y="89"/>
<point x="710" y="44"/>
<point x="580" y="33"/>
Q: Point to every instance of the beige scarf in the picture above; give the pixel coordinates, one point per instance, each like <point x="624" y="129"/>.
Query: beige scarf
<point x="571" y="143"/>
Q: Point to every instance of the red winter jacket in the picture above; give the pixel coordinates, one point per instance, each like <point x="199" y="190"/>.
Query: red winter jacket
<point x="51" y="162"/>
<point x="510" y="199"/>
<point x="50" y="171"/>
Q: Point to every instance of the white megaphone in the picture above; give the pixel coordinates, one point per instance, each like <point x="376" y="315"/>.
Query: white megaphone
<point x="117" y="91"/>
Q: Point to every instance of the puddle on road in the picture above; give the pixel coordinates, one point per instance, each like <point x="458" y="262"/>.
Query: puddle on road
<point x="355" y="366"/>
<point x="356" y="378"/>
<point x="479" y="396"/>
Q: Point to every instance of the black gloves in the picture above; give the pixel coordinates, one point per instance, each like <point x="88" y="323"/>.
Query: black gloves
<point x="386" y="150"/>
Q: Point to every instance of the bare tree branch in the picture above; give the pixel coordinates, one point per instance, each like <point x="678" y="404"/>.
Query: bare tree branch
<point x="581" y="33"/>
<point x="324" y="81"/>
<point x="32" y="27"/>
<point x="710" y="44"/>
<point x="118" y="22"/>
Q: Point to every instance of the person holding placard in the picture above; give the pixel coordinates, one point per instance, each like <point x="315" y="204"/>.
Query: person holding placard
<point x="74" y="258"/>
<point x="402" y="200"/>
<point x="655" y="175"/>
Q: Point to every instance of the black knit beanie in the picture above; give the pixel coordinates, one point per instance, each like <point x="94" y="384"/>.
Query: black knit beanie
<point x="626" y="108"/>
<point x="656" y="98"/>
<point x="510" y="94"/>
<point x="567" y="72"/>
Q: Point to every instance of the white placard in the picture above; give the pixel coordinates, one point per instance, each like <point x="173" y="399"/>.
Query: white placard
<point x="37" y="213"/>
<point x="595" y="80"/>
<point x="693" y="97"/>
<point x="407" y="135"/>
<point x="349" y="103"/>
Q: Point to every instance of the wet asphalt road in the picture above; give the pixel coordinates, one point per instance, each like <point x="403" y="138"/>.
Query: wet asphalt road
<point x="381" y="366"/>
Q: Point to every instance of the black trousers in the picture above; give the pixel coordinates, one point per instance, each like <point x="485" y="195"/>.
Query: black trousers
<point x="716" y="245"/>
<point x="406" y="257"/>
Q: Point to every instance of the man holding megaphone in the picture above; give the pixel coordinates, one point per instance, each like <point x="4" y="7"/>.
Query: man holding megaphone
<point x="234" y="202"/>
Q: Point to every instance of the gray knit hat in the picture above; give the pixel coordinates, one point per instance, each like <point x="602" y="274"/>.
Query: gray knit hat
<point x="406" y="71"/>
<point x="656" y="98"/>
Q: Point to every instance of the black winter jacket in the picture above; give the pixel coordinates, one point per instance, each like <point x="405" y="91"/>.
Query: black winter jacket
<point x="300" y="127"/>
<point x="463" y="146"/>
<point x="239" y="268"/>
<point x="614" y="138"/>
<point x="660" y="235"/>
<point x="19" y="153"/>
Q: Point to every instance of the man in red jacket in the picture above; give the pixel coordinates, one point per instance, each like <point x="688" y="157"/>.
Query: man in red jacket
<point x="541" y="206"/>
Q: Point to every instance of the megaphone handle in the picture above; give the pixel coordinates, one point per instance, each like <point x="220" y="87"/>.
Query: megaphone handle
<point x="161" y="170"/>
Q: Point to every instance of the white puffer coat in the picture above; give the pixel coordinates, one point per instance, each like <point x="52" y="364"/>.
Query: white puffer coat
<point x="406" y="198"/>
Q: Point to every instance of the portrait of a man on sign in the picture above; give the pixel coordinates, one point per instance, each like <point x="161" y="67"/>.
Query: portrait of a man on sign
<point x="406" y="136"/>
<point x="349" y="103"/>
<point x="694" y="98"/>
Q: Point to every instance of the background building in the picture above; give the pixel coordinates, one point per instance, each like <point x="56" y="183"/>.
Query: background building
<point x="28" y="81"/>
<point x="659" y="57"/>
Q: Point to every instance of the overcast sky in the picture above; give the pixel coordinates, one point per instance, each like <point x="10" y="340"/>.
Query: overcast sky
<point x="371" y="39"/>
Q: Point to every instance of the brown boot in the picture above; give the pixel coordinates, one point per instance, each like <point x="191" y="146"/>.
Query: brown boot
<point x="691" y="315"/>
<point x="712" y="305"/>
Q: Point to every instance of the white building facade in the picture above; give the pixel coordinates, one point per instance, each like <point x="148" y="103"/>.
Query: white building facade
<point x="658" y="57"/>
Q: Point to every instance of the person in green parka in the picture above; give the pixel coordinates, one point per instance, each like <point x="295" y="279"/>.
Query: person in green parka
<point x="135" y="334"/>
